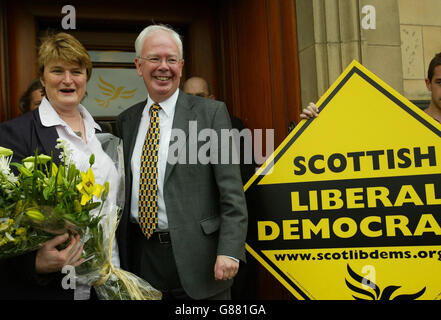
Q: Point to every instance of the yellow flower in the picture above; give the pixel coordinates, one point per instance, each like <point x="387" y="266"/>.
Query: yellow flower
<point x="88" y="188"/>
<point x="20" y="231"/>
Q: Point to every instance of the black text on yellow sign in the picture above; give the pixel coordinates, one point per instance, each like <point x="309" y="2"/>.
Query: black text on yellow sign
<point x="376" y="210"/>
<point x="372" y="160"/>
<point x="361" y="184"/>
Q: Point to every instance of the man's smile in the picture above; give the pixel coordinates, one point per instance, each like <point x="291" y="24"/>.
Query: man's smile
<point x="162" y="78"/>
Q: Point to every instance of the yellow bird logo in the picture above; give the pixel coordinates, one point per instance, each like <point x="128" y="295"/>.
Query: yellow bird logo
<point x="113" y="93"/>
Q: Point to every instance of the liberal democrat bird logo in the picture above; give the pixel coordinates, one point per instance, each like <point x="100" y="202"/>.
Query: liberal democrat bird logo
<point x="113" y="93"/>
<point x="373" y="292"/>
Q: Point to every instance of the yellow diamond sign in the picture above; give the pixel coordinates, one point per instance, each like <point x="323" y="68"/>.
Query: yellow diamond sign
<point x="349" y="205"/>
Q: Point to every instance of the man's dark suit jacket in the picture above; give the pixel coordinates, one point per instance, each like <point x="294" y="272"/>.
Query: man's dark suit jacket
<point x="18" y="279"/>
<point x="205" y="203"/>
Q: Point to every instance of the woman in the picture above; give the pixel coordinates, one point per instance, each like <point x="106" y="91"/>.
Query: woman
<point x="31" y="98"/>
<point x="64" y="68"/>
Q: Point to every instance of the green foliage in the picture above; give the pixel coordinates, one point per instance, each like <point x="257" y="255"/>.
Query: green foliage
<point x="45" y="200"/>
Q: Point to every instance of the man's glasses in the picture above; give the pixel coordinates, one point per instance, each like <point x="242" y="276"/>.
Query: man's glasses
<point x="157" y="60"/>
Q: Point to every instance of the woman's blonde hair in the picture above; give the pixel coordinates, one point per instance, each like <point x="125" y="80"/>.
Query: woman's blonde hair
<point x="63" y="46"/>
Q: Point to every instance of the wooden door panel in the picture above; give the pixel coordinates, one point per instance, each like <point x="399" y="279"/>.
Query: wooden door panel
<point x="260" y="54"/>
<point x="262" y="80"/>
<point x="103" y="24"/>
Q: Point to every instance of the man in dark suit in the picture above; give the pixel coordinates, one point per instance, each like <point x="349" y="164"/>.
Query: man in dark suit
<point x="199" y="235"/>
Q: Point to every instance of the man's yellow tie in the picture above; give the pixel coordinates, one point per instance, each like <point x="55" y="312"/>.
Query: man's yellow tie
<point x="148" y="178"/>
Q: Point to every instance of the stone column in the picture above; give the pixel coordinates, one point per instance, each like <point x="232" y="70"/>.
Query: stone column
<point x="330" y="36"/>
<point x="421" y="40"/>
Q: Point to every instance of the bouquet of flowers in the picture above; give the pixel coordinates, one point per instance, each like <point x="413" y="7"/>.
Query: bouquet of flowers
<point x="45" y="200"/>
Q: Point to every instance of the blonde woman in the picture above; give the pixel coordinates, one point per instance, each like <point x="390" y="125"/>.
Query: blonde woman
<point x="64" y="68"/>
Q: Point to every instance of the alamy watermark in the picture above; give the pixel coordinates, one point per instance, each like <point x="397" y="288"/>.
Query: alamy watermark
<point x="370" y="279"/>
<point x="369" y="20"/>
<point x="69" y="21"/>
<point x="224" y="146"/>
<point x="69" y="280"/>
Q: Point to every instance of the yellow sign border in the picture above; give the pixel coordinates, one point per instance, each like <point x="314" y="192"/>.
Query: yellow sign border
<point x="353" y="67"/>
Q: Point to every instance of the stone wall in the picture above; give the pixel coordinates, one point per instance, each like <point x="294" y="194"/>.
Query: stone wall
<point x="330" y="36"/>
<point x="420" y="27"/>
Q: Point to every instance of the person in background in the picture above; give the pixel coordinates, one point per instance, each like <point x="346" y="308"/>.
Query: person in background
<point x="31" y="98"/>
<point x="198" y="86"/>
<point x="191" y="247"/>
<point x="433" y="84"/>
<point x="64" y="68"/>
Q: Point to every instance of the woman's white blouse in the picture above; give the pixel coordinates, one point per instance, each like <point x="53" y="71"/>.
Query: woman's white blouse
<point x="103" y="168"/>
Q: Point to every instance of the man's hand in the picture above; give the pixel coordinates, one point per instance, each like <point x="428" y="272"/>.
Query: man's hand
<point x="225" y="268"/>
<point x="50" y="259"/>
<point x="311" y="111"/>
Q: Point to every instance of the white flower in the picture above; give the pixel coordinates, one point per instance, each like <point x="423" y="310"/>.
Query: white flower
<point x="66" y="152"/>
<point x="6" y="176"/>
<point x="4" y="165"/>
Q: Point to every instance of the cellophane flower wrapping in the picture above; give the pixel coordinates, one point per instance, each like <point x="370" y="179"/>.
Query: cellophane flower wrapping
<point x="111" y="282"/>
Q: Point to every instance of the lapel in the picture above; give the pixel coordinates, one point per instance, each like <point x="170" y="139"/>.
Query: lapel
<point x="46" y="138"/>
<point x="183" y="115"/>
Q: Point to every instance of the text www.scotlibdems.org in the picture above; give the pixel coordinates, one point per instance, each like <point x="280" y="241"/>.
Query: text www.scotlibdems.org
<point x="359" y="254"/>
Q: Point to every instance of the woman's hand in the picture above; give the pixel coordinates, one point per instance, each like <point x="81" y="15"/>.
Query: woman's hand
<point x="50" y="259"/>
<point x="311" y="111"/>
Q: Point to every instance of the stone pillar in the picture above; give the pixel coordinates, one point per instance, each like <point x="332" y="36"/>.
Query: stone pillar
<point x="330" y="36"/>
<point x="421" y="40"/>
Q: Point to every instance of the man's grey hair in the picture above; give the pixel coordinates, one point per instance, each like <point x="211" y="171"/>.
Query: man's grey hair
<point x="139" y="42"/>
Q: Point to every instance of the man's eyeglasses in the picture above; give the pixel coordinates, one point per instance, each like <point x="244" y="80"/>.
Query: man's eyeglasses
<point x="157" y="60"/>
